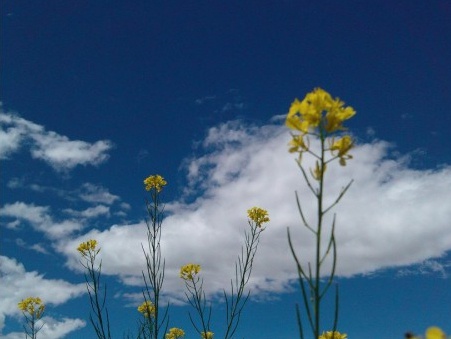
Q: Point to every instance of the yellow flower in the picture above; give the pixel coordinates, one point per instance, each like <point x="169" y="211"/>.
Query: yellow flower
<point x="308" y="114"/>
<point x="33" y="306"/>
<point x="154" y="182"/>
<point x="343" y="145"/>
<point x="188" y="271"/>
<point x="89" y="246"/>
<point x="175" y="333"/>
<point x="258" y="215"/>
<point x="318" y="171"/>
<point x="435" y="333"/>
<point x="147" y="308"/>
<point x="337" y="114"/>
<point x="333" y="335"/>
<point x="207" y="335"/>
<point x="297" y="144"/>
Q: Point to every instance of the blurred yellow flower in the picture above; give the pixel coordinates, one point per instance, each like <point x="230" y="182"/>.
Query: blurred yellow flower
<point x="188" y="271"/>
<point x="207" y="335"/>
<point x="318" y="171"/>
<point x="297" y="144"/>
<point x="336" y="115"/>
<point x="154" y="182"/>
<point x="147" y="308"/>
<point x="343" y="146"/>
<point x="33" y="306"/>
<point x="333" y="335"/>
<point x="89" y="246"/>
<point x="258" y="215"/>
<point x="435" y="333"/>
<point x="175" y="333"/>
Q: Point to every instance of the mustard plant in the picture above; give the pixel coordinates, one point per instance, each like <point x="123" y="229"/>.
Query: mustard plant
<point x="101" y="320"/>
<point x="243" y="268"/>
<point x="153" y="278"/>
<point x="321" y="117"/>
<point x="33" y="310"/>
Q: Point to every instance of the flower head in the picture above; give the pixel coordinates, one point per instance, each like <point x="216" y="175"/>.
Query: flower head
<point x="343" y="146"/>
<point x="154" y="182"/>
<point x="207" y="335"/>
<point x="175" y="333"/>
<point x="33" y="306"/>
<point x="188" y="271"/>
<point x="147" y="308"/>
<point x="258" y="215"/>
<point x="435" y="333"/>
<point x="333" y="335"/>
<point x="87" y="247"/>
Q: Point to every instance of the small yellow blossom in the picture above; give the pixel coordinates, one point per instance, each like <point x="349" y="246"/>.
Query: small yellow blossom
<point x="33" y="306"/>
<point x="207" y="335"/>
<point x="175" y="333"/>
<point x="435" y="333"/>
<point x="89" y="246"/>
<point x="336" y="115"/>
<point x="258" y="215"/>
<point x="318" y="171"/>
<point x="343" y="146"/>
<point x="154" y="182"/>
<point x="333" y="335"/>
<point x="297" y="144"/>
<point x="188" y="271"/>
<point x="147" y="308"/>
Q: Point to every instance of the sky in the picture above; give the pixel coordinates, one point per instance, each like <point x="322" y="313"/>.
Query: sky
<point x="98" y="95"/>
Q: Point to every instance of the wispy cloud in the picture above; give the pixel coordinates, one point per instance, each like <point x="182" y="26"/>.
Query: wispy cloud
<point x="56" y="150"/>
<point x="40" y="218"/>
<point x="392" y="216"/>
<point x="18" y="284"/>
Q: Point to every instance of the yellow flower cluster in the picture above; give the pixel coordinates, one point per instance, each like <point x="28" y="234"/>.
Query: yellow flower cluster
<point x="175" y="333"/>
<point x="86" y="247"/>
<point x="320" y="111"/>
<point x="33" y="306"/>
<point x="307" y="114"/>
<point x="435" y="333"/>
<point x="188" y="271"/>
<point x="147" y="308"/>
<point x="154" y="182"/>
<point x="258" y="215"/>
<point x="333" y="335"/>
<point x="207" y="335"/>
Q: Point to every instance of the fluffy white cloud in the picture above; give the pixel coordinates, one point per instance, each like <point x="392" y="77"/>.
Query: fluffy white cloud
<point x="18" y="284"/>
<point x="40" y="219"/>
<point x="392" y="215"/>
<point x="52" y="328"/>
<point x="57" y="150"/>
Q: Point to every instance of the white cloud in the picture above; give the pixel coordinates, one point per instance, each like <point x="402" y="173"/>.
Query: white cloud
<point x="52" y="328"/>
<point x="97" y="194"/>
<point x="392" y="215"/>
<point x="57" y="150"/>
<point x="91" y="212"/>
<point x="18" y="284"/>
<point x="40" y="219"/>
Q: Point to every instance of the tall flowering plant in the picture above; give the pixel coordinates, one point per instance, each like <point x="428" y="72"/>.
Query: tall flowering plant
<point x="99" y="316"/>
<point x="33" y="310"/>
<point x="318" y="116"/>
<point x="238" y="297"/>
<point x="156" y="321"/>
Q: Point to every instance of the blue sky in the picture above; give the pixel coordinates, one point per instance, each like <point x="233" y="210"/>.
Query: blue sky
<point x="97" y="95"/>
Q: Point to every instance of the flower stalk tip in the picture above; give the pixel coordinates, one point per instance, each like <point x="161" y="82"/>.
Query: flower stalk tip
<point x="155" y="182"/>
